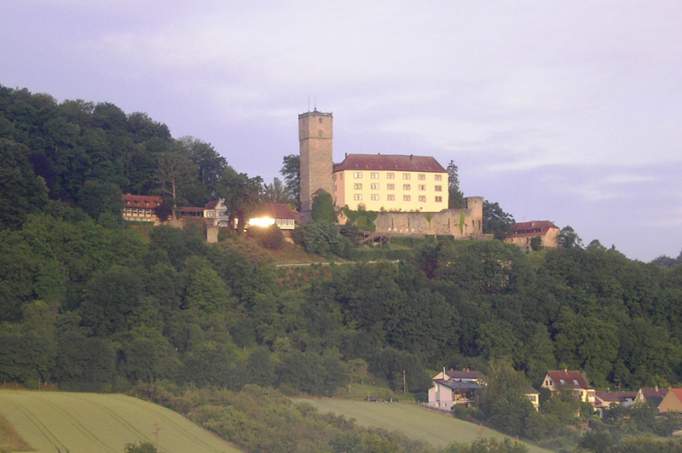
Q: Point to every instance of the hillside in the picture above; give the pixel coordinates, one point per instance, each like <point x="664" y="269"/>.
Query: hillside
<point x="411" y="420"/>
<point x="88" y="422"/>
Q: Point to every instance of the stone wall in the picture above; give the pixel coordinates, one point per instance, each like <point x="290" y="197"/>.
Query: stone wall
<point x="460" y="223"/>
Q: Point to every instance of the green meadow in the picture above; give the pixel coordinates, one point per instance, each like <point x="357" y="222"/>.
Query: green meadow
<point x="411" y="420"/>
<point x="88" y="422"/>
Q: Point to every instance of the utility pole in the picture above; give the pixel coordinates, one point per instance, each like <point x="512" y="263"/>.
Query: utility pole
<point x="404" y="383"/>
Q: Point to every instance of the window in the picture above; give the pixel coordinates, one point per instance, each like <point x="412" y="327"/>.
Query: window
<point x="438" y="188"/>
<point x="421" y="177"/>
<point x="374" y="175"/>
<point x="422" y="198"/>
<point x="319" y="120"/>
<point x="406" y="176"/>
<point x="390" y="197"/>
<point x="357" y="175"/>
<point x="390" y="186"/>
<point x="422" y="186"/>
<point x="439" y="199"/>
<point x="357" y="197"/>
<point x="374" y="197"/>
<point x="374" y="186"/>
<point x="357" y="186"/>
<point x="407" y="198"/>
<point x="407" y="187"/>
<point x="438" y="177"/>
<point x="390" y="175"/>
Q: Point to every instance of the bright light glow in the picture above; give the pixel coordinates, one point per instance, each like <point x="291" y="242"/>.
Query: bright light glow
<point x="262" y="222"/>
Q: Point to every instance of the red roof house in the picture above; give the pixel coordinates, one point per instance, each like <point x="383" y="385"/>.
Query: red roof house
<point x="523" y="232"/>
<point x="141" y="208"/>
<point x="389" y="162"/>
<point x="569" y="380"/>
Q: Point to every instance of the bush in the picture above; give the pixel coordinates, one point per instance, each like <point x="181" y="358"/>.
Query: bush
<point x="271" y="238"/>
<point x="142" y="447"/>
<point x="322" y="239"/>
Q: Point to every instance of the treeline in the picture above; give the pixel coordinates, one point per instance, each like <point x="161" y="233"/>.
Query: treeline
<point x="87" y="154"/>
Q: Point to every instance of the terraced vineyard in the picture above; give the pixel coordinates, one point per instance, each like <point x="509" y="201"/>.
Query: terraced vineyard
<point x="89" y="422"/>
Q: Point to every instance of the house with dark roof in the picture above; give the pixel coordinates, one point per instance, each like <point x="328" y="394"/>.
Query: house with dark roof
<point x="463" y="375"/>
<point x="651" y="395"/>
<point x="523" y="233"/>
<point x="570" y="381"/>
<point x="444" y="394"/>
<point x="607" y="400"/>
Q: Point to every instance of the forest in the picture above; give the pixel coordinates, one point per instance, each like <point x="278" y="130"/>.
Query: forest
<point x="89" y="303"/>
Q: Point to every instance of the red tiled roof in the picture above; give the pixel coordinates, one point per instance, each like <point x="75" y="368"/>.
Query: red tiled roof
<point x="389" y="162"/>
<point x="276" y="211"/>
<point x="615" y="396"/>
<point x="211" y="204"/>
<point x="531" y="228"/>
<point x="569" y="379"/>
<point x="141" y="201"/>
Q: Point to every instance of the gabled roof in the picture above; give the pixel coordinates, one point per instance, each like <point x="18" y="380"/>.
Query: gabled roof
<point x="464" y="374"/>
<point x="531" y="228"/>
<point x="211" y="204"/>
<point x="141" y="201"/>
<point x="457" y="385"/>
<point x="276" y="211"/>
<point x="677" y="392"/>
<point x="653" y="392"/>
<point x="389" y="162"/>
<point x="619" y="397"/>
<point x="571" y="379"/>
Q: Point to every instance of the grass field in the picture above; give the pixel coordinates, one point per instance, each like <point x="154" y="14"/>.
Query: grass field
<point x="89" y="422"/>
<point x="410" y="419"/>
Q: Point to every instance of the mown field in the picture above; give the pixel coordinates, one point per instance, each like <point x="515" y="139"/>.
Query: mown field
<point x="411" y="420"/>
<point x="88" y="422"/>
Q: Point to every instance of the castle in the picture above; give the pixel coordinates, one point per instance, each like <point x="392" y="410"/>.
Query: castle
<point x="410" y="193"/>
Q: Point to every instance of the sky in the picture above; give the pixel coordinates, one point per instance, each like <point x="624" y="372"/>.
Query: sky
<point x="566" y="111"/>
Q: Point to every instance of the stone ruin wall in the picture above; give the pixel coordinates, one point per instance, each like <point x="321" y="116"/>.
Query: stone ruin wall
<point x="460" y="223"/>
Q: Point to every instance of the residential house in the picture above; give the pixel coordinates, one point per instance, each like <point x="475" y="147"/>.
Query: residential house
<point x="607" y="400"/>
<point x="447" y="393"/>
<point x="524" y="232"/>
<point x="464" y="375"/>
<point x="141" y="208"/>
<point x="672" y="401"/>
<point x="269" y="214"/>
<point x="572" y="381"/>
<point x="534" y="397"/>
<point x="650" y="395"/>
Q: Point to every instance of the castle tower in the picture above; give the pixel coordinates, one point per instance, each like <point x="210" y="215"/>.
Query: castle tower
<point x="315" y="146"/>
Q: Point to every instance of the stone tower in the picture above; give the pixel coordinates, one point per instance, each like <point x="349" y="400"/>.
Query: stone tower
<point x="315" y="146"/>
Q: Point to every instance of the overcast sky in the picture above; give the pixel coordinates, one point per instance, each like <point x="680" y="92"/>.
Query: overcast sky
<point x="563" y="110"/>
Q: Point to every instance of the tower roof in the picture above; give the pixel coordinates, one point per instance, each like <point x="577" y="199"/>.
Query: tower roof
<point x="314" y="113"/>
<point x="389" y="162"/>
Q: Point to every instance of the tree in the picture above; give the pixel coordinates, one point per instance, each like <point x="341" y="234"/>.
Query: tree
<point x="496" y="221"/>
<point x="277" y="192"/>
<point x="21" y="191"/>
<point x="175" y="172"/>
<point x="99" y="197"/>
<point x="536" y="243"/>
<point x="291" y="171"/>
<point x="569" y="239"/>
<point x="323" y="208"/>
<point x="241" y="194"/>
<point x="455" y="195"/>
